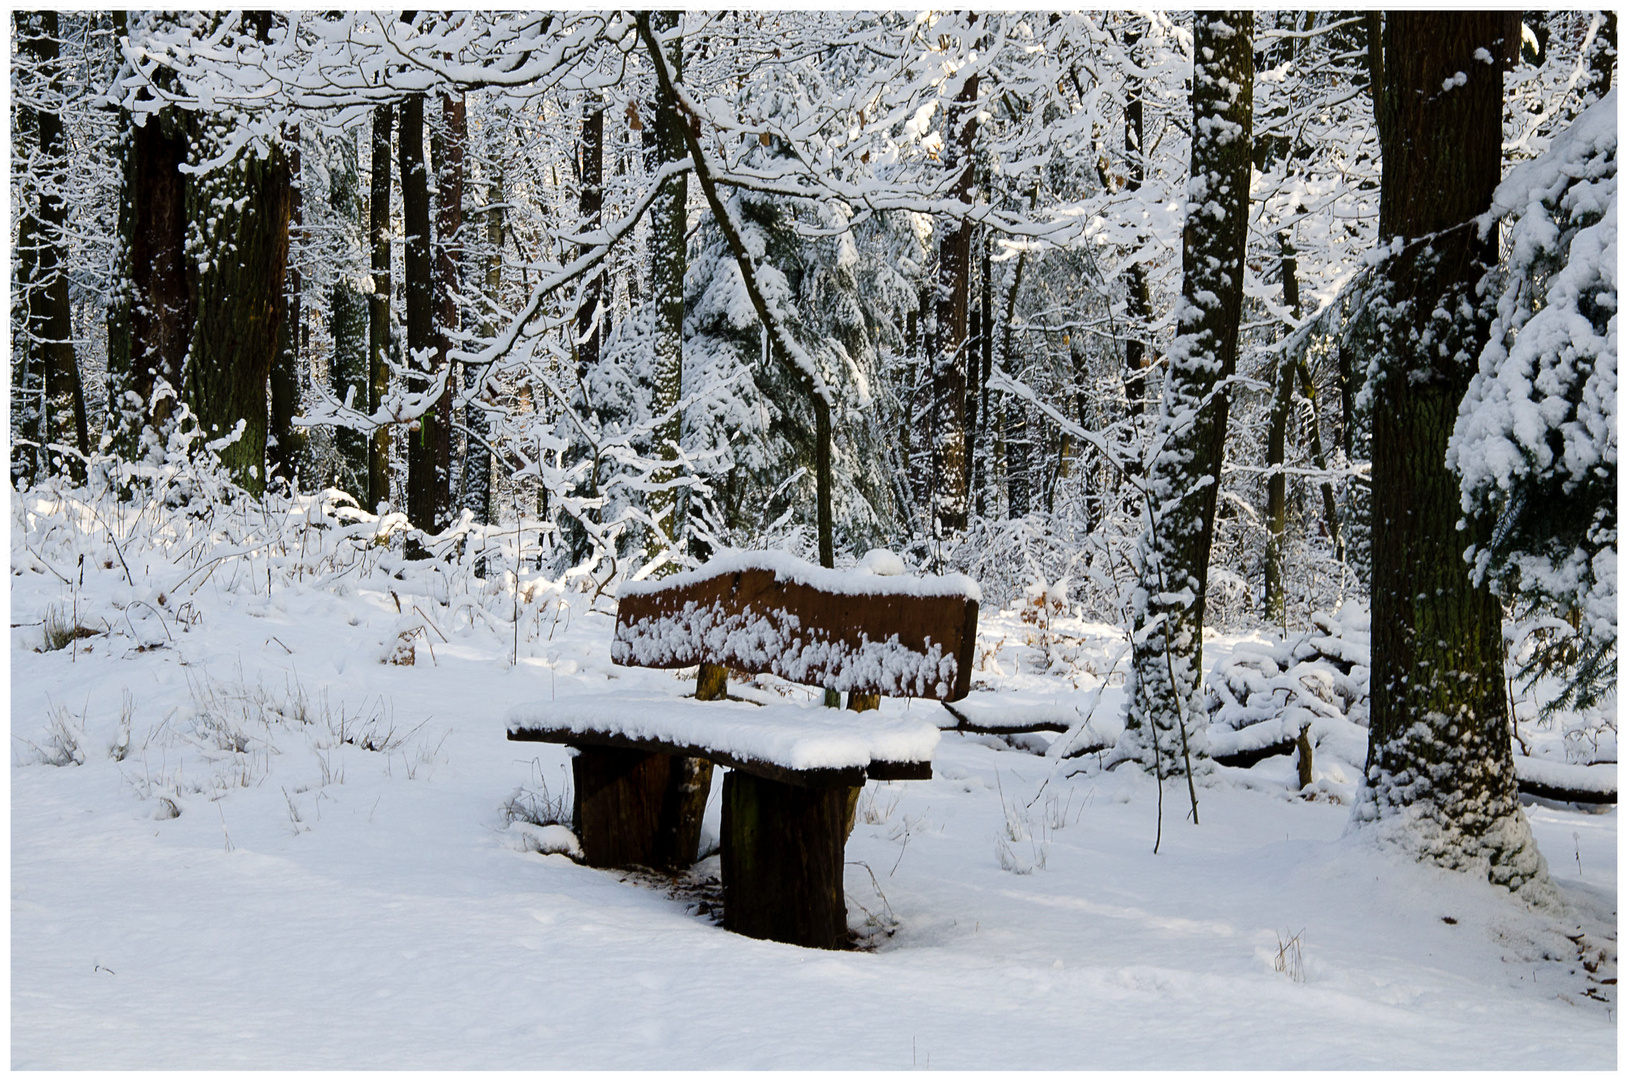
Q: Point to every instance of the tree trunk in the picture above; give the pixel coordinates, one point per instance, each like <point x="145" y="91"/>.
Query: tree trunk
<point x="1183" y="478"/>
<point x="49" y="317"/>
<point x="477" y="466"/>
<point x="1275" y="453"/>
<point x="378" y="301"/>
<point x="240" y="212"/>
<point x="952" y="352"/>
<point x="668" y="262"/>
<point x="1136" y="353"/>
<point x="449" y="143"/>
<point x="162" y="302"/>
<point x="347" y="320"/>
<point x="422" y="507"/>
<point x="284" y="450"/>
<point x="1439" y="777"/>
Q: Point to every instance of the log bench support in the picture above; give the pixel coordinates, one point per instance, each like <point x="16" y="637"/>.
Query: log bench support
<point x="638" y="807"/>
<point x="783" y="850"/>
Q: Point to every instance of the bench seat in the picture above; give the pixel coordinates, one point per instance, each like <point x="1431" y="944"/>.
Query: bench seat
<point x="807" y="746"/>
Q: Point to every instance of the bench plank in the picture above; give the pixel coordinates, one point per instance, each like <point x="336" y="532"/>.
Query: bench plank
<point x="897" y="636"/>
<point x="792" y="744"/>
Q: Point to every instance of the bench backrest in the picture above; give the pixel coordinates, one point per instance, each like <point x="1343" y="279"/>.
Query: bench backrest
<point x="770" y="613"/>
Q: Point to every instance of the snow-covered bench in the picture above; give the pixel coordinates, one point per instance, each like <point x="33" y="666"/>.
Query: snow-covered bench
<point x="643" y="768"/>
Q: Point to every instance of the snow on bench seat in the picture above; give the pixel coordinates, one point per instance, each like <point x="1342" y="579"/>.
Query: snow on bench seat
<point x="809" y="746"/>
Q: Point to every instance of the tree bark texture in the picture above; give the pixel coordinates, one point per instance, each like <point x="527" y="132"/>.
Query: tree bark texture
<point x="668" y="262"/>
<point x="285" y="447"/>
<point x="782" y="852"/>
<point x="1136" y="353"/>
<point x="162" y="297"/>
<point x="952" y="353"/>
<point x="638" y="808"/>
<point x="449" y="145"/>
<point x="1286" y="370"/>
<point x="48" y="315"/>
<point x="239" y="215"/>
<point x="1183" y="476"/>
<point x="1439" y="775"/>
<point x="378" y="303"/>
<point x="422" y="506"/>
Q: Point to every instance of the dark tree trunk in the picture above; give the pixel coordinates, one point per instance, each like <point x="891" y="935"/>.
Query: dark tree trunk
<point x="589" y="331"/>
<point x="284" y="450"/>
<point x="49" y="317"/>
<point x="1183" y="479"/>
<point x="450" y="142"/>
<point x="1136" y="353"/>
<point x="378" y="302"/>
<point x="592" y="315"/>
<point x="241" y="212"/>
<point x="668" y="262"/>
<point x="162" y="301"/>
<point x="1439" y="772"/>
<point x="953" y="353"/>
<point x="983" y="367"/>
<point x="422" y="508"/>
<point x="1275" y="452"/>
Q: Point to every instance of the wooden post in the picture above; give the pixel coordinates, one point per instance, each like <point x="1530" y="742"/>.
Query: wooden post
<point x="635" y="808"/>
<point x="782" y="853"/>
<point x="1306" y="759"/>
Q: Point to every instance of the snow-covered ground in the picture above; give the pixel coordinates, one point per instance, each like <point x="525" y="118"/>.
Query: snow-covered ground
<point x="266" y="845"/>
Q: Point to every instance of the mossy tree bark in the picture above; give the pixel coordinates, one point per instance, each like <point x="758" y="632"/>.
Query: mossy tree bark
<point x="1183" y="476"/>
<point x="1439" y="775"/>
<point x="238" y="243"/>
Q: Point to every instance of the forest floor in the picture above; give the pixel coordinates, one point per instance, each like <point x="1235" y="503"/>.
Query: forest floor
<point x="264" y="845"/>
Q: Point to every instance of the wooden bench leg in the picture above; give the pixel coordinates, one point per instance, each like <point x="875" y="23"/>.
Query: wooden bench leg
<point x="782" y="852"/>
<point x="634" y="808"/>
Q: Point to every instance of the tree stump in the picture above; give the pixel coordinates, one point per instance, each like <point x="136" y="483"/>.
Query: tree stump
<point x="782" y="853"/>
<point x="634" y="808"/>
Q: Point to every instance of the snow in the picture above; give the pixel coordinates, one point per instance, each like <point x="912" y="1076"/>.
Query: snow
<point x="884" y="577"/>
<point x="345" y="885"/>
<point x="789" y="736"/>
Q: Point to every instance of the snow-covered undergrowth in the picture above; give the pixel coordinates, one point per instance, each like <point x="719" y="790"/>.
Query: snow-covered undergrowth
<point x="264" y="814"/>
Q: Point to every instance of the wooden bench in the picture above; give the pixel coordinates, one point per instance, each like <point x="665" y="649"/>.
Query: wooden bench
<point x="643" y="769"/>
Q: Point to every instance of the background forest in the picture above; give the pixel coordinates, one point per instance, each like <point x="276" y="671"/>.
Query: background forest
<point x="1261" y="368"/>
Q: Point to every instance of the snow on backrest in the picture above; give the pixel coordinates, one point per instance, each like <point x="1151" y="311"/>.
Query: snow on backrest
<point x="767" y="612"/>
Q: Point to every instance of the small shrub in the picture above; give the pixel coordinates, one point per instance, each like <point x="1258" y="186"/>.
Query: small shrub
<point x="60" y="631"/>
<point x="536" y="807"/>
